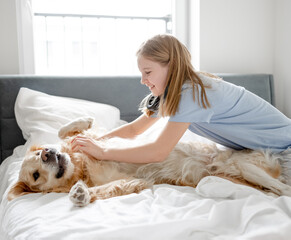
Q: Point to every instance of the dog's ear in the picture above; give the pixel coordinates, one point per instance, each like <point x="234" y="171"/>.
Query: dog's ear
<point x="17" y="190"/>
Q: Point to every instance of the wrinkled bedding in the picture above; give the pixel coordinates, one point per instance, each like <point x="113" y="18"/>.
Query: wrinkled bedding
<point x="216" y="209"/>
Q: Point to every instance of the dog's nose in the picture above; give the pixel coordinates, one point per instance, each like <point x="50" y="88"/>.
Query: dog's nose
<point x="48" y="154"/>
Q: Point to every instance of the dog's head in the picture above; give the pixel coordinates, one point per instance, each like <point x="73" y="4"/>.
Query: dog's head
<point x="44" y="169"/>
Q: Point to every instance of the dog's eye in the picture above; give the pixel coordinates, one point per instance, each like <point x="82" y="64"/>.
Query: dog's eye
<point x="37" y="153"/>
<point x="35" y="175"/>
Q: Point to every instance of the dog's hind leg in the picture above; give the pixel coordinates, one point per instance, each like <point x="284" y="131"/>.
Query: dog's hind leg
<point x="255" y="175"/>
<point x="119" y="188"/>
<point x="81" y="195"/>
<point x="75" y="127"/>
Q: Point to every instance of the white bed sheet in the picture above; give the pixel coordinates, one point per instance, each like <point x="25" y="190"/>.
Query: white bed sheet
<point x="216" y="209"/>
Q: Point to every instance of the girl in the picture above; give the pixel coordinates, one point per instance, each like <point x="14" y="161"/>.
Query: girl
<point x="203" y="103"/>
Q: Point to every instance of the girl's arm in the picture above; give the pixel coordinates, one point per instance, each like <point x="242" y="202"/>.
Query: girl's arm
<point x="156" y="151"/>
<point x="132" y="129"/>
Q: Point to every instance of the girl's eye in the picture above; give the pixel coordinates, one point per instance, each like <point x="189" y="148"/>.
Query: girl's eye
<point x="147" y="73"/>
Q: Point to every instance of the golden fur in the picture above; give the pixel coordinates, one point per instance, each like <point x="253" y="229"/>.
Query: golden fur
<point x="87" y="179"/>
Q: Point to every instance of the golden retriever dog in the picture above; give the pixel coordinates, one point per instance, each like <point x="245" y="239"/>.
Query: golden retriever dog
<point x="59" y="169"/>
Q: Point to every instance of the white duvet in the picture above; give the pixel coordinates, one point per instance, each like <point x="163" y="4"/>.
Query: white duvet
<point x="216" y="209"/>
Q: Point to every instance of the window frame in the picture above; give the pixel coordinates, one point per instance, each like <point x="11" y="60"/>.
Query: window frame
<point x="181" y="22"/>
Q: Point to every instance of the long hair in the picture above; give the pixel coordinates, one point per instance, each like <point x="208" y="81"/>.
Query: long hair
<point x="166" y="49"/>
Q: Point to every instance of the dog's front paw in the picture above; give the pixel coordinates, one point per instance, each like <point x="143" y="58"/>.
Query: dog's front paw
<point x="63" y="133"/>
<point x="75" y="127"/>
<point x="79" y="194"/>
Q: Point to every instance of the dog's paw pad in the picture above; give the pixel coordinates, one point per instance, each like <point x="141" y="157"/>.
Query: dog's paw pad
<point x="80" y="195"/>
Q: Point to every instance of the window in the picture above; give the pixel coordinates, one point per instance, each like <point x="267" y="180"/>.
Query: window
<point x="95" y="37"/>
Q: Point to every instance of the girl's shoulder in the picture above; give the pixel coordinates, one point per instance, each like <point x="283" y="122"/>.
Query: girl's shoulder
<point x="208" y="77"/>
<point x="210" y="82"/>
<point x="216" y="83"/>
<point x="219" y="92"/>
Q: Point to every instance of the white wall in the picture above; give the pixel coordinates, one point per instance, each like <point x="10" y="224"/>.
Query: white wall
<point x="8" y="38"/>
<point x="237" y="36"/>
<point x="282" y="66"/>
<point x="248" y="36"/>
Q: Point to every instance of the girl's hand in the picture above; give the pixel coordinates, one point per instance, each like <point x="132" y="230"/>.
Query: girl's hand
<point x="88" y="146"/>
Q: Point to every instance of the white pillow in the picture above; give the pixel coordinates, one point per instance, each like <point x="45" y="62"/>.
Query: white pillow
<point x="37" y="113"/>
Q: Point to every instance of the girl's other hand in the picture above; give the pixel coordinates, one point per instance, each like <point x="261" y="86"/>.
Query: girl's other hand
<point x="88" y="146"/>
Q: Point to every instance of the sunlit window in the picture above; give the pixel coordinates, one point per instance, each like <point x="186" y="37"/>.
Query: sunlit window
<point x="95" y="37"/>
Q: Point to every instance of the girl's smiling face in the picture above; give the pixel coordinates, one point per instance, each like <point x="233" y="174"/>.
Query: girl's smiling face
<point x="153" y="75"/>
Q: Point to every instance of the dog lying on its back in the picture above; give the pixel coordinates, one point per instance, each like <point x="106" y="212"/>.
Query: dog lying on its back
<point x="59" y="169"/>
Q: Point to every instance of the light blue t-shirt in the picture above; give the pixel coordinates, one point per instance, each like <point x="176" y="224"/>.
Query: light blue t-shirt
<point x="237" y="118"/>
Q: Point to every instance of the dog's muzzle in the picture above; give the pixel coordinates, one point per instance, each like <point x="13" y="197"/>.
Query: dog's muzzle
<point x="53" y="157"/>
<point x="49" y="155"/>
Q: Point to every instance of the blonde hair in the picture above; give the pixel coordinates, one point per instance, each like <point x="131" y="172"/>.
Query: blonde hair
<point x="166" y="49"/>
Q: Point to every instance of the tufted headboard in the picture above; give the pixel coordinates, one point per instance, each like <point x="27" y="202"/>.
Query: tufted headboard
<point x="122" y="92"/>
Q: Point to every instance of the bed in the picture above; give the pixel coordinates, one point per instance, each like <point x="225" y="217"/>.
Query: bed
<point x="34" y="107"/>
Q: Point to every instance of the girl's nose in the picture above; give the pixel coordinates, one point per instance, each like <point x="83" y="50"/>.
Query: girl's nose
<point x="142" y="80"/>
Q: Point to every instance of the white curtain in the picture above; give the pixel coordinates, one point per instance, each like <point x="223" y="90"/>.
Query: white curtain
<point x="24" y="15"/>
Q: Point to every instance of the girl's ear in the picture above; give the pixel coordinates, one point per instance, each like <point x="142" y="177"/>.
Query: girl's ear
<point x="18" y="189"/>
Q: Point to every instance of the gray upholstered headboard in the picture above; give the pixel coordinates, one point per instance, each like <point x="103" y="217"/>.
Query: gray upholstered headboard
<point x="122" y="92"/>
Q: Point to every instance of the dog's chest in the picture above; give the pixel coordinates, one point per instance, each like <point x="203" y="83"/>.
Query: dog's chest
<point x="101" y="172"/>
